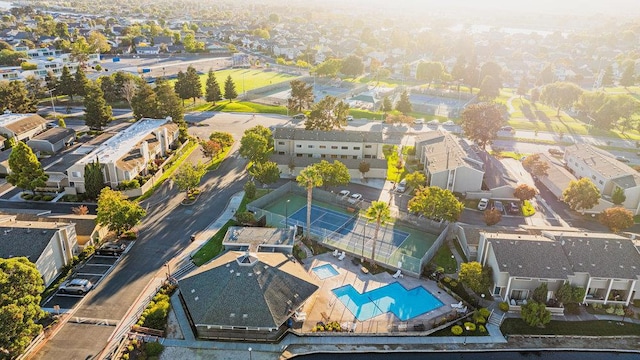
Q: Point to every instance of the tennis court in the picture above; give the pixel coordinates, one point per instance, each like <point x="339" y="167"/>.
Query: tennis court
<point x="396" y="244"/>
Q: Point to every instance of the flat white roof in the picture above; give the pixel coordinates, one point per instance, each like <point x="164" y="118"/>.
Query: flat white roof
<point x="120" y="144"/>
<point x="6" y="119"/>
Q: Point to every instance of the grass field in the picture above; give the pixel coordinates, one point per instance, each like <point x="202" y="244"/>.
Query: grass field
<point x="246" y="79"/>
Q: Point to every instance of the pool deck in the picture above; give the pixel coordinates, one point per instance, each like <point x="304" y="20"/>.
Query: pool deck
<point x="325" y="307"/>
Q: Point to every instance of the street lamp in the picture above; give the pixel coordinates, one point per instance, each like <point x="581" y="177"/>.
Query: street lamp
<point x="53" y="106"/>
<point x="250" y="349"/>
<point x="286" y="213"/>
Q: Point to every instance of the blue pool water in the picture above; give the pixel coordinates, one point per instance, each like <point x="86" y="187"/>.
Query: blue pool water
<point x="404" y="304"/>
<point x="325" y="271"/>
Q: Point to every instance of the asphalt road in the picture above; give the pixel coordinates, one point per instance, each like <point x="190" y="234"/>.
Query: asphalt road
<point x="162" y="236"/>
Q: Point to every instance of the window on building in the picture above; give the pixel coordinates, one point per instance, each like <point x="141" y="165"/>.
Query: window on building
<point x="309" y="155"/>
<point x="355" y="157"/>
<point x="334" y="156"/>
<point x="367" y="146"/>
<point x="280" y="142"/>
<point x="298" y="146"/>
<point x="343" y="156"/>
<point x="367" y="156"/>
<point x="76" y="174"/>
<point x="334" y="147"/>
<point x="356" y="148"/>
<point x="323" y="156"/>
<point x="310" y="146"/>
<point x="323" y="146"/>
<point x="345" y="148"/>
<point x="280" y="152"/>
<point x="298" y="155"/>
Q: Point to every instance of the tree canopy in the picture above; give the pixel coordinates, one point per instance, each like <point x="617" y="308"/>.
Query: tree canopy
<point x="26" y="170"/>
<point x="581" y="194"/>
<point x="97" y="112"/>
<point x="524" y="192"/>
<point x="560" y="95"/>
<point x="301" y="96"/>
<point x="230" y="92"/>
<point x="20" y="288"/>
<point x="327" y="114"/>
<point x="535" y="166"/>
<point x="352" y="66"/>
<point x="309" y="178"/>
<point x="15" y="97"/>
<point x="93" y="179"/>
<point x="430" y="71"/>
<point x="379" y="213"/>
<point x="256" y="144"/>
<point x="481" y="122"/>
<point x="535" y="314"/>
<point x="188" y="176"/>
<point x="265" y="172"/>
<point x="471" y="274"/>
<point x="328" y="68"/>
<point x="213" y="92"/>
<point x="116" y="212"/>
<point x="436" y="203"/>
<point x="333" y="174"/>
<point x="617" y="218"/>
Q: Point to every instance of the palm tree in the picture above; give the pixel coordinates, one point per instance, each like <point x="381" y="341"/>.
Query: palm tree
<point x="380" y="213"/>
<point x="309" y="178"/>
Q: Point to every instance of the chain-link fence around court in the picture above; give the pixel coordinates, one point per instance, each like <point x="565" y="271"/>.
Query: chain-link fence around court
<point x="407" y="244"/>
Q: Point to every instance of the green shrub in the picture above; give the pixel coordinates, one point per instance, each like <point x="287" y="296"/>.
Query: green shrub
<point x="470" y="326"/>
<point x="157" y="311"/>
<point x="504" y="306"/>
<point x="447" y="279"/>
<point x="27" y="196"/>
<point x="153" y="348"/>
<point x="527" y="208"/>
<point x="28" y="66"/>
<point x="610" y="310"/>
<point x="482" y="329"/>
<point x="125" y="357"/>
<point x="484" y="312"/>
<point x="129" y="235"/>
<point x="619" y="311"/>
<point x="454" y="283"/>
<point x="47" y="198"/>
<point x="456" y="330"/>
<point x="37" y="197"/>
<point x="129" y="184"/>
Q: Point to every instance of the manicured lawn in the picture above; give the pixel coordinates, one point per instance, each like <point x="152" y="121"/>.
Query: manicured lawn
<point x="188" y="149"/>
<point x="246" y="79"/>
<point x="213" y="247"/>
<point x="514" y="326"/>
<point x="245" y="106"/>
<point x="444" y="259"/>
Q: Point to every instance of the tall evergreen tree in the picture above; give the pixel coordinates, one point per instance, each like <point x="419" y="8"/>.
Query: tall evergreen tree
<point x="213" y="92"/>
<point x="15" y="97"/>
<point x="168" y="102"/>
<point x="181" y="87"/>
<point x="97" y="113"/>
<point x="230" y="89"/>
<point x="80" y="82"/>
<point x="66" y="85"/>
<point x="144" y="103"/>
<point x="404" y="105"/>
<point x="93" y="179"/>
<point x="26" y="170"/>
<point x="52" y="83"/>
<point x="628" y="75"/>
<point x="194" y="85"/>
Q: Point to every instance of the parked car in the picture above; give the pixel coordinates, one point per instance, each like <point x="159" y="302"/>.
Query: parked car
<point x="507" y="128"/>
<point x="482" y="205"/>
<point x="622" y="159"/>
<point x="418" y="121"/>
<point x="402" y="186"/>
<point x="349" y="118"/>
<point x="554" y="151"/>
<point x="448" y="123"/>
<point x="344" y="193"/>
<point x="434" y="122"/>
<point x="498" y="206"/>
<point x="513" y="208"/>
<point x="354" y="198"/>
<point x="76" y="286"/>
<point x="299" y="117"/>
<point x="111" y="248"/>
<point x="52" y="124"/>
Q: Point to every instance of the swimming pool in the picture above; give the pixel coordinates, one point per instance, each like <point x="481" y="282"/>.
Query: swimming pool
<point x="325" y="271"/>
<point x="404" y="304"/>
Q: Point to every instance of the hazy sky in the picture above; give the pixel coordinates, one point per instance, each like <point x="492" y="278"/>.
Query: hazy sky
<point x="583" y="7"/>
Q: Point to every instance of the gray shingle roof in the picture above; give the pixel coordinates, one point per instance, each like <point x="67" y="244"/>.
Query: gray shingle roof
<point x="21" y="241"/>
<point x="530" y="256"/>
<point x="445" y="151"/>
<point x="336" y="135"/>
<point x="608" y="257"/>
<point x="55" y="134"/>
<point x="603" y="163"/>
<point x="262" y="294"/>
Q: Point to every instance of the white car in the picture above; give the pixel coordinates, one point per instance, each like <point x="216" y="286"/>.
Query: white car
<point x="482" y="205"/>
<point x="354" y="198"/>
<point x="402" y="186"/>
<point x="344" y="193"/>
<point x="349" y="118"/>
<point x="418" y="121"/>
<point x="76" y="286"/>
<point x="448" y="123"/>
<point x="433" y="122"/>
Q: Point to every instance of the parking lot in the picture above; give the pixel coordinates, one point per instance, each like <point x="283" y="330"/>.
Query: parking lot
<point x="93" y="270"/>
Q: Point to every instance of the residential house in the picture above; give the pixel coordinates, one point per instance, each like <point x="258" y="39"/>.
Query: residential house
<point x="49" y="245"/>
<point x="607" y="173"/>
<point x="449" y="162"/>
<point x="251" y="293"/>
<point x="53" y="140"/>
<point x="497" y="179"/>
<point x="557" y="178"/>
<point x="304" y="147"/>
<point x="607" y="266"/>
<point x="22" y="127"/>
<point x="127" y="154"/>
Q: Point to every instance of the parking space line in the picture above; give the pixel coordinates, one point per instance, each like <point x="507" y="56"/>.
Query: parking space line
<point x="69" y="295"/>
<point x="89" y="274"/>
<point x="107" y="265"/>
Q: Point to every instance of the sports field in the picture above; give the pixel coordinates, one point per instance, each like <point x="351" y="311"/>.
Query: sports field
<point x="246" y="79"/>
<point x="353" y="233"/>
